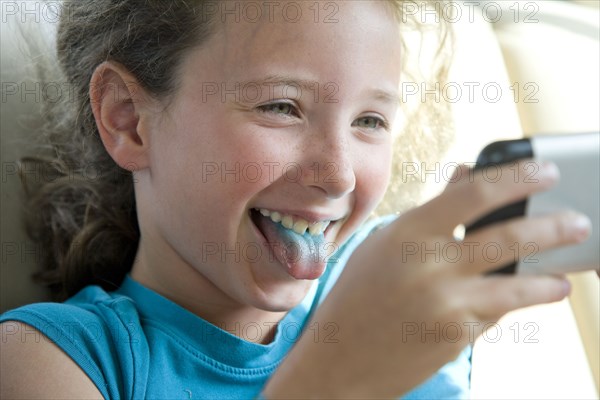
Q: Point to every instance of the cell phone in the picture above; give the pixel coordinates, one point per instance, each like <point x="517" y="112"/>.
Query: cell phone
<point x="578" y="159"/>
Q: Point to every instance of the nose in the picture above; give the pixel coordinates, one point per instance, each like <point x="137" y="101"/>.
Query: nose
<point x="328" y="164"/>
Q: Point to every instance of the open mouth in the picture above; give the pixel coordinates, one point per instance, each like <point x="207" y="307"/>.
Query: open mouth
<point x="299" y="245"/>
<point x="294" y="223"/>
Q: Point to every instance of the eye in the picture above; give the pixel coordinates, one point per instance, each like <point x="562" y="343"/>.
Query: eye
<point x="279" y="108"/>
<point x="371" y="122"/>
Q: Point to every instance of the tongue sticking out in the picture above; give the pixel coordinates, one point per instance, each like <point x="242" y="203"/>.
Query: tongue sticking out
<point x="304" y="255"/>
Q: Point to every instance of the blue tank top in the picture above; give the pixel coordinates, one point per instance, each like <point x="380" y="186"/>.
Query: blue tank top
<point x="134" y="343"/>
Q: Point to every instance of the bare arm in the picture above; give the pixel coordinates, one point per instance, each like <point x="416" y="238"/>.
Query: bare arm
<point x="35" y="368"/>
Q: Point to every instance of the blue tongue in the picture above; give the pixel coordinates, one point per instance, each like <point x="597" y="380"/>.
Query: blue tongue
<point x="306" y="244"/>
<point x="304" y="255"/>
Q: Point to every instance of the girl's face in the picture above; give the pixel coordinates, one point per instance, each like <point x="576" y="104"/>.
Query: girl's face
<point x="288" y="117"/>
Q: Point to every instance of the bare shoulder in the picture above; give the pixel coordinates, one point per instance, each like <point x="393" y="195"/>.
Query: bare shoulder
<point x="33" y="367"/>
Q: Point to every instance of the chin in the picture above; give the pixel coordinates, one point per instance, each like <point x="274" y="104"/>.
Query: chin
<point x="281" y="299"/>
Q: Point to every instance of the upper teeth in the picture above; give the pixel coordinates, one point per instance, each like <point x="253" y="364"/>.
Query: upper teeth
<point x="297" y="224"/>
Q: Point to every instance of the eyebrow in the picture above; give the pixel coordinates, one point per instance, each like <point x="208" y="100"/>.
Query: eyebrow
<point x="281" y="79"/>
<point x="386" y="96"/>
<point x="309" y="85"/>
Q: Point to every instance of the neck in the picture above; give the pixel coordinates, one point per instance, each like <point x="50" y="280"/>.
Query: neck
<point x="191" y="290"/>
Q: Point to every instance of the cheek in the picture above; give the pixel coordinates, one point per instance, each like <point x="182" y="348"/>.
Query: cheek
<point x="213" y="171"/>
<point x="373" y="177"/>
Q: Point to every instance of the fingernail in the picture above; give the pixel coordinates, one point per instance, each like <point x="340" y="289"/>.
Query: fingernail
<point x="566" y="287"/>
<point x="549" y="172"/>
<point x="582" y="226"/>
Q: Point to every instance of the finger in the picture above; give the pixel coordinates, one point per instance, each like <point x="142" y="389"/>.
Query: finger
<point x="472" y="194"/>
<point x="508" y="293"/>
<point x="500" y="244"/>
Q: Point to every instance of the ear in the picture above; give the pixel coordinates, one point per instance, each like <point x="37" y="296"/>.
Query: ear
<point x="119" y="103"/>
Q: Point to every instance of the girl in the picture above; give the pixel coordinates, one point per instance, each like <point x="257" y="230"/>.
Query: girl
<point x="257" y="142"/>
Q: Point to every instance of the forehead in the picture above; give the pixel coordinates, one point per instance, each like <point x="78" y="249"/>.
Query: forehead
<point x="305" y="22"/>
<point x="342" y="41"/>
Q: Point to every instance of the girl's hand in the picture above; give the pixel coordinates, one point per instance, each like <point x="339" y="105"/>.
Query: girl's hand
<point x="413" y="276"/>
